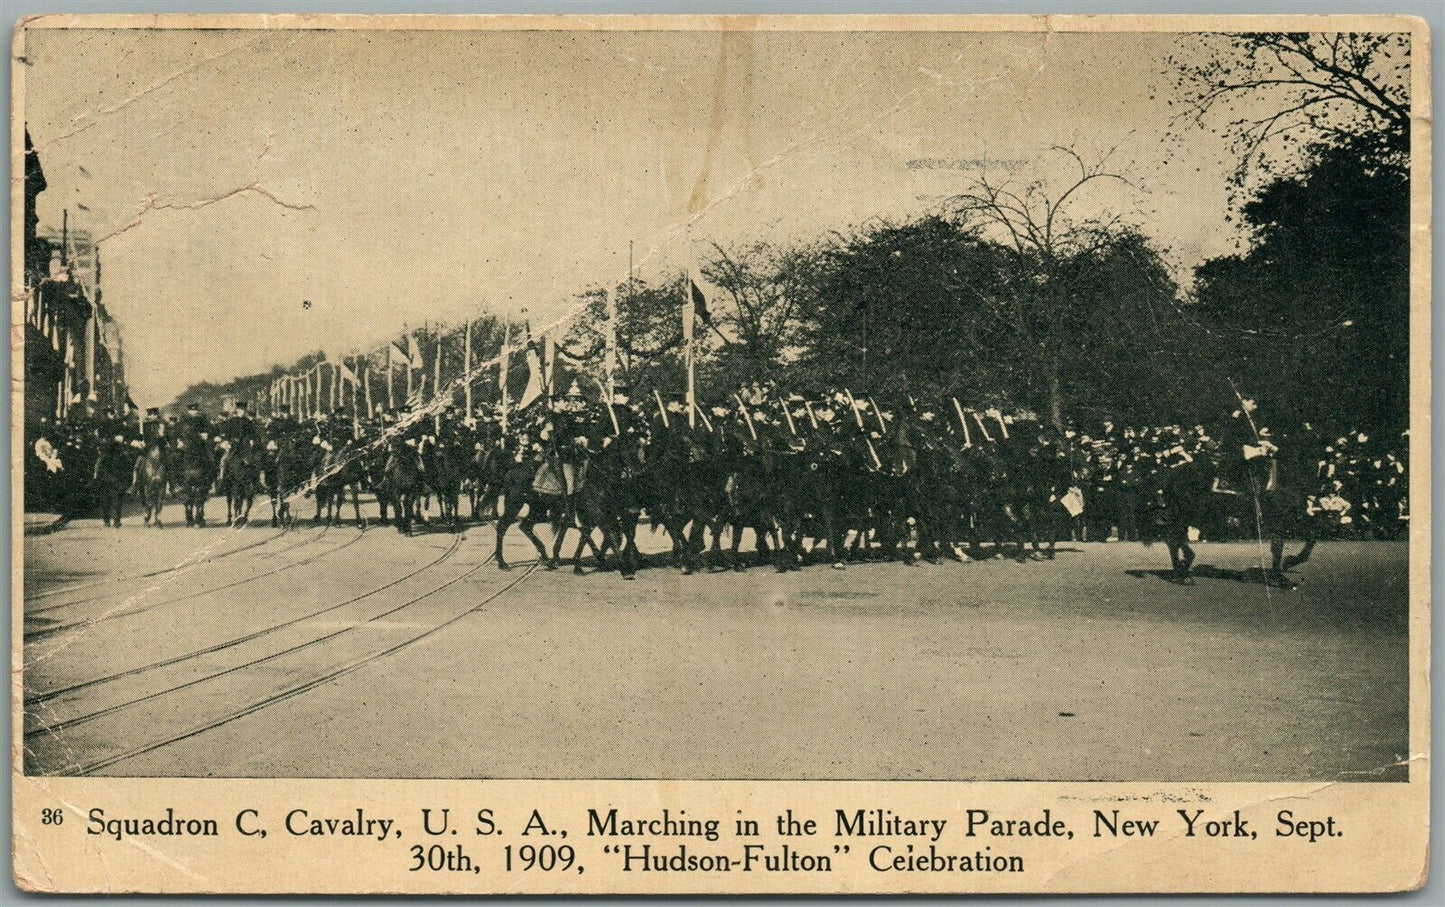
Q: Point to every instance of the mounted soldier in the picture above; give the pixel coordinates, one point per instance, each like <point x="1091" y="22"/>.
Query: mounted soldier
<point x="239" y="474"/>
<point x="151" y="473"/>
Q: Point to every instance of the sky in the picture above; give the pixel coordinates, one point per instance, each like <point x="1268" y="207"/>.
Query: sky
<point x="399" y="177"/>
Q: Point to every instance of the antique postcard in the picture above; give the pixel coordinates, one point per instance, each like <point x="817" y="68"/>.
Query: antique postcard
<point x="634" y="455"/>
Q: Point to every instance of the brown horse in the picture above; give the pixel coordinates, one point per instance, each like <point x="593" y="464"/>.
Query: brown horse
<point x="113" y="466"/>
<point x="149" y="480"/>
<point x="340" y="468"/>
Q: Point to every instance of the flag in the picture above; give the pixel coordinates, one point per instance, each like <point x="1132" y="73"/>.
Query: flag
<point x="504" y="359"/>
<point x="413" y="352"/>
<point x="699" y="302"/>
<point x="395" y="355"/>
<point x="347" y="374"/>
<point x="535" y="386"/>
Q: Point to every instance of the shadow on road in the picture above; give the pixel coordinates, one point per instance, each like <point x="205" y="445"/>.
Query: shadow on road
<point x="1257" y="576"/>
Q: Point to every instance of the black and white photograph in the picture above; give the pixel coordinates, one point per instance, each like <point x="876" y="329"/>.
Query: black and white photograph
<point x="739" y="403"/>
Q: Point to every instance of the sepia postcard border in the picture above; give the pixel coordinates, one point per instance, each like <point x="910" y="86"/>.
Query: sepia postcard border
<point x="1393" y="816"/>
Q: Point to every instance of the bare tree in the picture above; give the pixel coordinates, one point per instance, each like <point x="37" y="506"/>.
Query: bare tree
<point x="1281" y="91"/>
<point x="765" y="286"/>
<point x="1045" y="236"/>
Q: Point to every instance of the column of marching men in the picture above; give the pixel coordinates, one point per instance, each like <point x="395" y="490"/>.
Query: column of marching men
<point x="835" y="472"/>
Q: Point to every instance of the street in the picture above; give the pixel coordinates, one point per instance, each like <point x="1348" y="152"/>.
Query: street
<point x="337" y="652"/>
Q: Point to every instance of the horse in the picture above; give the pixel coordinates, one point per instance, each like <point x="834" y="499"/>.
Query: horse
<point x="488" y="467"/>
<point x="995" y="500"/>
<point x="239" y="478"/>
<point x="149" y="479"/>
<point x="813" y="479"/>
<point x="374" y="458"/>
<point x="528" y="484"/>
<point x="1185" y="490"/>
<point x="198" y="467"/>
<point x="286" y="466"/>
<point x="442" y="465"/>
<point x="402" y="483"/>
<point x="1047" y="477"/>
<point x="339" y="468"/>
<point x="600" y="502"/>
<point x="1281" y="505"/>
<point x="111" y="477"/>
<point x="682" y="487"/>
<point x="752" y="492"/>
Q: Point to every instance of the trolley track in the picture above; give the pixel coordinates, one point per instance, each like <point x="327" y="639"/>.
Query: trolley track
<point x="128" y="577"/>
<point x="58" y="726"/>
<point x="41" y="698"/>
<point x="46" y="632"/>
<point x="313" y="682"/>
<point x="33" y="612"/>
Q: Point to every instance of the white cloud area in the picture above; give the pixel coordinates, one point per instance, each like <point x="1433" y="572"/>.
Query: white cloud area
<point x="401" y="177"/>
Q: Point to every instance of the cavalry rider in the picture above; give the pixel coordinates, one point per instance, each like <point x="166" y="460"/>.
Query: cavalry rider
<point x="631" y="423"/>
<point x="153" y="430"/>
<point x="281" y="426"/>
<point x="195" y="425"/>
<point x="566" y="438"/>
<point x="152" y="436"/>
<point x="404" y="439"/>
<point x="1255" y="468"/>
<point x="130" y="421"/>
<point x="237" y="431"/>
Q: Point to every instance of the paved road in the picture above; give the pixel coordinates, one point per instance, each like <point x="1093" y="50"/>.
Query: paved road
<point x="334" y="652"/>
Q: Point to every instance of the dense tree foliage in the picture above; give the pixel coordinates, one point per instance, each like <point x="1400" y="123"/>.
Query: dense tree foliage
<point x="1029" y="293"/>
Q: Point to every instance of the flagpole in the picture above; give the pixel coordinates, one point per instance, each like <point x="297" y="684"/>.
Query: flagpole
<point x="687" y="331"/>
<point x="610" y="355"/>
<point x="366" y="364"/>
<point x="436" y="384"/>
<point x="467" y="365"/>
<point x="410" y="342"/>
<point x="502" y="367"/>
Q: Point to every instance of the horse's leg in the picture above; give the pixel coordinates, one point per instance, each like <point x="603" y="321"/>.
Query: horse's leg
<point x="834" y="537"/>
<point x="559" y="530"/>
<point x="693" y="543"/>
<point x="584" y="536"/>
<point x="1276" y="553"/>
<point x="1296" y="560"/>
<point x="1051" y="526"/>
<point x="606" y="528"/>
<point x="528" y="523"/>
<point x="504" y="520"/>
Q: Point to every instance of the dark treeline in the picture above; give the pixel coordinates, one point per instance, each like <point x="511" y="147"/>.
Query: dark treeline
<point x="1007" y="295"/>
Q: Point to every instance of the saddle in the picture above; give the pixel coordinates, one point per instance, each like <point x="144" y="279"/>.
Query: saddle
<point x="559" y="479"/>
